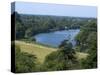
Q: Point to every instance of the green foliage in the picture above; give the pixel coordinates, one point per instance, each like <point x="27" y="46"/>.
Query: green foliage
<point x="30" y="25"/>
<point x="24" y="62"/>
<point x="91" y="61"/>
<point x="63" y="59"/>
<point x="87" y="35"/>
<point x="87" y="41"/>
<point x="53" y="62"/>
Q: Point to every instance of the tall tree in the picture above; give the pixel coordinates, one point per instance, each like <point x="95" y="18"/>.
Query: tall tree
<point x="63" y="59"/>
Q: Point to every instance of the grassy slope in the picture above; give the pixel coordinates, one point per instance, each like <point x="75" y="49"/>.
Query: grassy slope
<point x="81" y="55"/>
<point x="41" y="51"/>
<point x="38" y="50"/>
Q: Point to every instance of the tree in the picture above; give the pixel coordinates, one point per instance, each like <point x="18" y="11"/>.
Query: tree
<point x="68" y="53"/>
<point x="91" y="60"/>
<point x="87" y="39"/>
<point x="24" y="62"/>
<point x="63" y="59"/>
<point x="85" y="34"/>
<point x="34" y="24"/>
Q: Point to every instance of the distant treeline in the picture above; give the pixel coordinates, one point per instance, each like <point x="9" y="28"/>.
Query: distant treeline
<point x="30" y="25"/>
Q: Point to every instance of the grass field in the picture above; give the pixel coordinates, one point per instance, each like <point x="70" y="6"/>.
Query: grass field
<point x="42" y="51"/>
<point x="81" y="55"/>
<point x="38" y="50"/>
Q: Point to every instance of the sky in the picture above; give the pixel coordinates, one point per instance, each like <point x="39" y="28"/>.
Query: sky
<point x="55" y="9"/>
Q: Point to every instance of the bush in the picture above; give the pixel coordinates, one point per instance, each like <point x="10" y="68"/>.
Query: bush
<point x="24" y="62"/>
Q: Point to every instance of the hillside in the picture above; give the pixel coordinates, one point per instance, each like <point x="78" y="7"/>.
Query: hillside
<point x="38" y="50"/>
<point x="42" y="51"/>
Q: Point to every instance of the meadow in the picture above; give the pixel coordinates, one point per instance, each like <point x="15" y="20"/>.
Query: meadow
<point x="42" y="51"/>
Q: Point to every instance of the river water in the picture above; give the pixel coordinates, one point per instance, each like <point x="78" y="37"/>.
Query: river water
<point x="55" y="38"/>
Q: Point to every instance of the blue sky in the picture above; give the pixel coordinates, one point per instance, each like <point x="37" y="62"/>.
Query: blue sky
<point x="55" y="9"/>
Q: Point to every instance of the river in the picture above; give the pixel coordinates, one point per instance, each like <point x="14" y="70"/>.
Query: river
<point x="55" y="38"/>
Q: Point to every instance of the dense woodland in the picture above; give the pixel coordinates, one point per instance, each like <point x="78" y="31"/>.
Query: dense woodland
<point x="64" y="58"/>
<point x="30" y="25"/>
